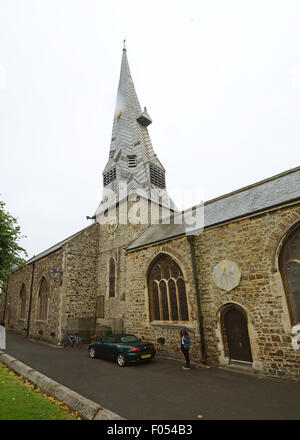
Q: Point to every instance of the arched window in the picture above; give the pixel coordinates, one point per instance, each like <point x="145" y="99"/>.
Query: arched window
<point x="43" y="300"/>
<point x="22" y="304"/>
<point x="167" y="293"/>
<point x="112" y="278"/>
<point x="289" y="265"/>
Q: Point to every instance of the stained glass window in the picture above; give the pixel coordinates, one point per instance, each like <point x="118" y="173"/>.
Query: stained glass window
<point x="289" y="264"/>
<point x="167" y="292"/>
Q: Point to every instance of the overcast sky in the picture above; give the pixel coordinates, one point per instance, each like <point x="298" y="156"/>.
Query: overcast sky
<point x="220" y="79"/>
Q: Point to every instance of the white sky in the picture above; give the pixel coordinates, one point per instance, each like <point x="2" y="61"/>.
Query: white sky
<point x="220" y="79"/>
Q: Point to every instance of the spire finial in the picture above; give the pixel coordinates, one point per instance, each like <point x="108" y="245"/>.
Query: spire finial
<point x="124" y="44"/>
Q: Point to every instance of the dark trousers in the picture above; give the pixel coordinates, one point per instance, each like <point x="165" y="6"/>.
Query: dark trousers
<point x="186" y="353"/>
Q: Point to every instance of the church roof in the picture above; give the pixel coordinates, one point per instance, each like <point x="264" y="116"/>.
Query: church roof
<point x="274" y="191"/>
<point x="55" y="247"/>
<point x="269" y="193"/>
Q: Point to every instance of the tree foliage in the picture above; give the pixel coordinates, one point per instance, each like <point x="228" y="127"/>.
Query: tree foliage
<point x="10" y="250"/>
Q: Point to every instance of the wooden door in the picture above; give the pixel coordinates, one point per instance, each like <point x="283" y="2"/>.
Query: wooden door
<point x="237" y="335"/>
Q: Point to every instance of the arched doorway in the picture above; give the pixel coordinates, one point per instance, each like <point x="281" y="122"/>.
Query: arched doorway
<point x="235" y="333"/>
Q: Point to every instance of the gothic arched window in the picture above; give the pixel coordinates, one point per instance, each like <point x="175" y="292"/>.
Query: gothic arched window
<point x="22" y="304"/>
<point x="43" y="300"/>
<point x="112" y="278"/>
<point x="289" y="265"/>
<point x="167" y="293"/>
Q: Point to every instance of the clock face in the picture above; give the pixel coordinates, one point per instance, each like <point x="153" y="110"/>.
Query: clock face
<point x="226" y="275"/>
<point x="112" y="226"/>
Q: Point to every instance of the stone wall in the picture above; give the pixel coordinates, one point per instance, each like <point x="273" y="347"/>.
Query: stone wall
<point x="37" y="329"/>
<point x="11" y="309"/>
<point x="72" y="291"/>
<point x="79" y="286"/>
<point x="113" y="245"/>
<point x="253" y="244"/>
<point x="137" y="302"/>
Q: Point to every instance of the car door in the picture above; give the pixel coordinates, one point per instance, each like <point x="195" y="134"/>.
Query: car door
<point x="109" y="347"/>
<point x="99" y="348"/>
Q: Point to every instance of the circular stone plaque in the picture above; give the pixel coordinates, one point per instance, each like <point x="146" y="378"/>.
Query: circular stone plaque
<point x="226" y="275"/>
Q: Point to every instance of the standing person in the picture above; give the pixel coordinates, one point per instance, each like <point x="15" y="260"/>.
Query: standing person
<point x="2" y="336"/>
<point x="185" y="347"/>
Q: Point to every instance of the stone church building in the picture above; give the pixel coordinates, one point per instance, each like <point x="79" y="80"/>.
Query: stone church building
<point x="235" y="286"/>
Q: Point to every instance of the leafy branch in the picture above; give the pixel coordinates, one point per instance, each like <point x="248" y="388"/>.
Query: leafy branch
<point x="10" y="250"/>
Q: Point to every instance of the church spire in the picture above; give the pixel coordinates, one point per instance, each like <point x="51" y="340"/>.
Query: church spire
<point x="131" y="156"/>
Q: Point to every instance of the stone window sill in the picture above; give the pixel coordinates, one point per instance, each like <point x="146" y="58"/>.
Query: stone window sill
<point x="171" y="324"/>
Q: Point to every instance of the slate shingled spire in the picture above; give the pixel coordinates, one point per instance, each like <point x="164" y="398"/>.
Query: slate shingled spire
<point x="131" y="156"/>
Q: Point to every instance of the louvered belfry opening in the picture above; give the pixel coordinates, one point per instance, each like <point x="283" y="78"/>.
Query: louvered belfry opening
<point x="22" y="309"/>
<point x="167" y="291"/>
<point x="109" y="177"/>
<point x="157" y="176"/>
<point x="43" y="300"/>
<point x="289" y="265"/>
<point x="132" y="160"/>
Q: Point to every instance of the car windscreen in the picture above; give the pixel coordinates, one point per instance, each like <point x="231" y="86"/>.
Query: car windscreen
<point x="129" y="338"/>
<point x="110" y="340"/>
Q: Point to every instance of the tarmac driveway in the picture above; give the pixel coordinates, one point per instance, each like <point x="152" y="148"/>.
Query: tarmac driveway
<point x="161" y="390"/>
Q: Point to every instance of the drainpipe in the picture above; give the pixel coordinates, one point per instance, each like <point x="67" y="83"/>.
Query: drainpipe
<point x="191" y="240"/>
<point x="62" y="292"/>
<point x="30" y="300"/>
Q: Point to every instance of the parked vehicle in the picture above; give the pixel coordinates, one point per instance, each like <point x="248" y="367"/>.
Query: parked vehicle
<point x="123" y="349"/>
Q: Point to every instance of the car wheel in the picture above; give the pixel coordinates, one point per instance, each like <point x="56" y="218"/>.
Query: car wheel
<point x="121" y="360"/>
<point x="92" y="352"/>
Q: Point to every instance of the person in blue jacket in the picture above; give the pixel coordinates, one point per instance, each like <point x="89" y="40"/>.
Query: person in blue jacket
<point x="185" y="347"/>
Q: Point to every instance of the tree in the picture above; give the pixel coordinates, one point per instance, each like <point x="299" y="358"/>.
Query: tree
<point x="10" y="251"/>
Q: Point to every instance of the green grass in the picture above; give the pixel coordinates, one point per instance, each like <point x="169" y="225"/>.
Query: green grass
<point x="20" y="401"/>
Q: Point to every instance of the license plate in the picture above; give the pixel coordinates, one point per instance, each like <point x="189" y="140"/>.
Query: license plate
<point x="144" y="356"/>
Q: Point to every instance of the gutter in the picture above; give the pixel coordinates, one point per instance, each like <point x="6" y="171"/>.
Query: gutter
<point x="259" y="212"/>
<point x="155" y="242"/>
<point x="191" y="240"/>
<point x="30" y="300"/>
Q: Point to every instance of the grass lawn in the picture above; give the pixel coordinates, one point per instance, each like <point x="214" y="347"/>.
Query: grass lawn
<point x="19" y="400"/>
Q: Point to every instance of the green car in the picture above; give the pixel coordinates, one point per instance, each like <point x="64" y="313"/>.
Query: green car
<point x="122" y="348"/>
